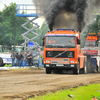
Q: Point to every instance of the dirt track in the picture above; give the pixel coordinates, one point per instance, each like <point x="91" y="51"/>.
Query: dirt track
<point x="22" y="84"/>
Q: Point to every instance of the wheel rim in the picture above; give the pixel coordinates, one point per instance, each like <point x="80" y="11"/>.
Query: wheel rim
<point x="85" y="69"/>
<point x="78" y="68"/>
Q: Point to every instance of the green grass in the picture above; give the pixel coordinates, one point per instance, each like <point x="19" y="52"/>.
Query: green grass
<point x="80" y="93"/>
<point x="8" y="65"/>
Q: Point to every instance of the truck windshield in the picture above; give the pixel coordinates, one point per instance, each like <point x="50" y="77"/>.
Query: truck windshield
<point x="90" y="43"/>
<point x="60" y="42"/>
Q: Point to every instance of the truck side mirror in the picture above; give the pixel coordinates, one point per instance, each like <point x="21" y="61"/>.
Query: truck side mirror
<point x="43" y="41"/>
<point x="78" y="41"/>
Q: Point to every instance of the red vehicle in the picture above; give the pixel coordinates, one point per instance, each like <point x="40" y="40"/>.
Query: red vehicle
<point x="62" y="51"/>
<point x="91" y="45"/>
<point x="92" y="51"/>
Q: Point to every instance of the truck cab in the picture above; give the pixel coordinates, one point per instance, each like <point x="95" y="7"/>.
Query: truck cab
<point x="62" y="51"/>
<point x="92" y="51"/>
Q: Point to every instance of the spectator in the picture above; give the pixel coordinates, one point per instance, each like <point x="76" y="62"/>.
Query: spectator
<point x="25" y="58"/>
<point x="19" y="59"/>
<point x="13" y="55"/>
<point x="29" y="59"/>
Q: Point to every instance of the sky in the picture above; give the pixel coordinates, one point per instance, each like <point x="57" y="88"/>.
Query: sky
<point x="7" y="2"/>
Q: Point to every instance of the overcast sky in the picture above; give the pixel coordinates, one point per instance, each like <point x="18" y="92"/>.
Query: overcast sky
<point x="7" y="2"/>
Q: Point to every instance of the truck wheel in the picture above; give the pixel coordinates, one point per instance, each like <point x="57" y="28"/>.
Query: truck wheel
<point x="1" y="62"/>
<point x="48" y="70"/>
<point x="76" y="70"/>
<point x="97" y="68"/>
<point x="85" y="67"/>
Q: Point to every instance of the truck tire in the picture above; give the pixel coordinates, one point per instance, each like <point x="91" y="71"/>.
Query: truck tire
<point x="76" y="70"/>
<point x="1" y="62"/>
<point x="85" y="67"/>
<point x="89" y="68"/>
<point x="97" y="68"/>
<point x="48" y="70"/>
<point x="94" y="71"/>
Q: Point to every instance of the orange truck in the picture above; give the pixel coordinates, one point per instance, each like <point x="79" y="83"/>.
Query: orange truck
<point x="62" y="51"/>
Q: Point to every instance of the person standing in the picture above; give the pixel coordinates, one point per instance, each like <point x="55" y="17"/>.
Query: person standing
<point x="25" y="58"/>
<point x="29" y="59"/>
<point x="19" y="59"/>
<point x="13" y="55"/>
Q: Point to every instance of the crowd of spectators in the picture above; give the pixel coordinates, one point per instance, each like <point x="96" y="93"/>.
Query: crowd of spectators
<point x="26" y="58"/>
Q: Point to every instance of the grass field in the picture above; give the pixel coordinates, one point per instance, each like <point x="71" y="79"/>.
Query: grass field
<point x="80" y="93"/>
<point x="7" y="65"/>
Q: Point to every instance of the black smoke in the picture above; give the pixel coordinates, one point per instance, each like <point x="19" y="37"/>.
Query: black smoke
<point x="67" y="13"/>
<point x="69" y="6"/>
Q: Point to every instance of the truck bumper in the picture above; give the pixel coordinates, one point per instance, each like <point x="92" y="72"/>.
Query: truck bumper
<point x="63" y="66"/>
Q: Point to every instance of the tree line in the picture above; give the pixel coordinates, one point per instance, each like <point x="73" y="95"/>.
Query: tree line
<point x="11" y="30"/>
<point x="91" y="28"/>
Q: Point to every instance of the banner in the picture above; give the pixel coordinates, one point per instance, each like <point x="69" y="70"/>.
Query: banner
<point x="31" y="44"/>
<point x="90" y="52"/>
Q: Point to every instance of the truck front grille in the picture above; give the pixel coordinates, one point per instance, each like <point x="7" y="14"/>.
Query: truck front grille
<point x="60" y="54"/>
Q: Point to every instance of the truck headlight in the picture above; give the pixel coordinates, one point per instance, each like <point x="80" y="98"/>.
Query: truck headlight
<point x="47" y="61"/>
<point x="44" y="62"/>
<point x="72" y="61"/>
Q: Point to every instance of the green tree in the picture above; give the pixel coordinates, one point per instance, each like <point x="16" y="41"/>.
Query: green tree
<point x="95" y="26"/>
<point x="41" y="31"/>
<point x="10" y="26"/>
<point x="11" y="30"/>
<point x="92" y="28"/>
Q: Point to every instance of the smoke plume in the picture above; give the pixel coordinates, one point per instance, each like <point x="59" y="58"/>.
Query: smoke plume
<point x="67" y="13"/>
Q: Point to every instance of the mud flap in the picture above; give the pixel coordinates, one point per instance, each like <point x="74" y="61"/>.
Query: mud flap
<point x="91" y="65"/>
<point x="94" y="65"/>
<point x="84" y="70"/>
